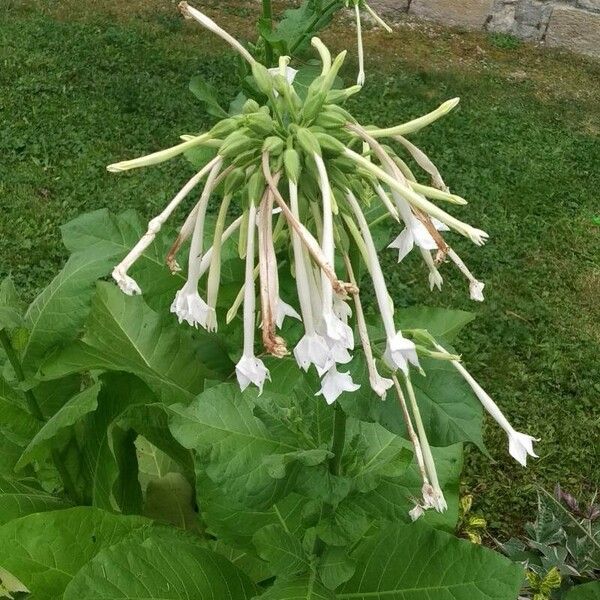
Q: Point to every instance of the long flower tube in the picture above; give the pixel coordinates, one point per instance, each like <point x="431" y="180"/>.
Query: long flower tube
<point x="188" y="305"/>
<point x="424" y="162"/>
<point x="360" y="80"/>
<point x="380" y="385"/>
<point x="433" y="496"/>
<point x="399" y="351"/>
<point x="250" y="369"/>
<point x="475" y="286"/>
<point x="120" y="272"/>
<point x="520" y="445"/>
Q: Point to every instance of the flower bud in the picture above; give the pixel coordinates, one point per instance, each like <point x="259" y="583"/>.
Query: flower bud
<point x="264" y="79"/>
<point x="250" y="106"/>
<point x="273" y="145"/>
<point x="233" y="181"/>
<point x="329" y="144"/>
<point x="308" y="142"/>
<point x="291" y="162"/>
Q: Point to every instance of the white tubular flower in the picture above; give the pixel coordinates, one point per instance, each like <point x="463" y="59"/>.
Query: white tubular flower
<point x="336" y="330"/>
<point x="334" y="384"/>
<point x="312" y="348"/>
<point x="127" y="284"/>
<point x="190" y="12"/>
<point x="399" y="351"/>
<point x="414" y="235"/>
<point x="249" y="369"/>
<point x="380" y="385"/>
<point x="435" y="277"/>
<point x="360" y="80"/>
<point x="520" y="445"/>
<point x="475" y="286"/>
<point x="288" y="73"/>
<point x="188" y="306"/>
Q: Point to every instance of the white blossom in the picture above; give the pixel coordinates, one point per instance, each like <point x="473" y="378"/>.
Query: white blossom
<point x="334" y="384"/>
<point x="249" y="370"/>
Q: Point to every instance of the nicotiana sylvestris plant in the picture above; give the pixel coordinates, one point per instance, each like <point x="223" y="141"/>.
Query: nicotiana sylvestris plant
<point x="303" y="173"/>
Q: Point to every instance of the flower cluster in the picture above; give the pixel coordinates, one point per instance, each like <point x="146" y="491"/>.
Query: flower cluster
<point x="303" y="171"/>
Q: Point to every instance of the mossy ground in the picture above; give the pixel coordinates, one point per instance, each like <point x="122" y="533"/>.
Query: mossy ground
<point x="84" y="84"/>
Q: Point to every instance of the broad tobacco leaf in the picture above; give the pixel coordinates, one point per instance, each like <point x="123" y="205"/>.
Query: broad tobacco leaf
<point x="18" y="499"/>
<point x="411" y="562"/>
<point x="11" y="312"/>
<point x="49" y="436"/>
<point x="282" y="550"/>
<point x="123" y="334"/>
<point x="305" y="587"/>
<point x="233" y="444"/>
<point x="167" y="565"/>
<point x="394" y="497"/>
<point x="46" y="550"/>
<point x="588" y="591"/>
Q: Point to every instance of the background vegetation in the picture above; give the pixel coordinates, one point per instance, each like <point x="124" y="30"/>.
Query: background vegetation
<point x="84" y="84"/>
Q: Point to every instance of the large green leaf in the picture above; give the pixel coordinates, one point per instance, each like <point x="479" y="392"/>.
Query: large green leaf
<point x="56" y="315"/>
<point x="17" y="427"/>
<point x="281" y="549"/>
<point x="123" y="334"/>
<point x="46" y="438"/>
<point x="300" y="588"/>
<point x="588" y="591"/>
<point x="10" y="305"/>
<point x="162" y="567"/>
<point x="233" y="443"/>
<point x="394" y="497"/>
<point x="412" y="562"/>
<point x="442" y="323"/>
<point x="18" y="500"/>
<point x="46" y="550"/>
<point x="450" y="411"/>
<point x="208" y="96"/>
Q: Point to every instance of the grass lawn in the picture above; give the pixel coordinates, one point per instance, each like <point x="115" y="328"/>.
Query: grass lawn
<point x="81" y="88"/>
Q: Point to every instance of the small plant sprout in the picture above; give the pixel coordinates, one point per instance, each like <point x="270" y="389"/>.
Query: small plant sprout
<point x="303" y="172"/>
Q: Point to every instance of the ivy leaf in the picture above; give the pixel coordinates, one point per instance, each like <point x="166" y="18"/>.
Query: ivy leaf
<point x="18" y="500"/>
<point x="46" y="550"/>
<point x="123" y="334"/>
<point x="281" y="549"/>
<point x="11" y="314"/>
<point x="299" y="588"/>
<point x="164" y="566"/>
<point x="335" y="567"/>
<point x="208" y="96"/>
<point x="232" y="443"/>
<point x="415" y="561"/>
<point x="46" y="438"/>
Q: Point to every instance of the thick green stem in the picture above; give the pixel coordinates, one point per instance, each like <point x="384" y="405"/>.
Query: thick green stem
<point x="339" y="440"/>
<point x="268" y="20"/>
<point x="36" y="411"/>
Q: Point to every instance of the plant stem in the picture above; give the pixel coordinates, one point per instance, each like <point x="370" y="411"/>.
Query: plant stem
<point x="339" y="439"/>
<point x="268" y="20"/>
<point x="34" y="408"/>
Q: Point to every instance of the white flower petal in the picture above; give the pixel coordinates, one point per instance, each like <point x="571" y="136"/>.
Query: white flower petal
<point x="520" y="445"/>
<point x="341" y="309"/>
<point x="399" y="352"/>
<point x="285" y="310"/>
<point x="416" y="513"/>
<point x="334" y="384"/>
<point x="476" y="290"/>
<point x="337" y="332"/>
<point x="380" y="385"/>
<point x="290" y="74"/>
<point x="439" y="225"/>
<point x="127" y="284"/>
<point x="189" y="307"/>
<point x="435" y="280"/>
<point x="422" y="237"/>
<point x="312" y="349"/>
<point x="251" y="370"/>
<point x="404" y="243"/>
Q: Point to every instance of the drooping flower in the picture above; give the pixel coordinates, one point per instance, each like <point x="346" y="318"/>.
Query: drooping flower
<point x="334" y="384"/>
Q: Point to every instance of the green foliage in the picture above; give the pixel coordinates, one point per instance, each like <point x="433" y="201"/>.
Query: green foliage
<point x="588" y="591"/>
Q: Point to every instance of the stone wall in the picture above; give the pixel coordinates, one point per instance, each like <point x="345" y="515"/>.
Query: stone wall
<point x="571" y="24"/>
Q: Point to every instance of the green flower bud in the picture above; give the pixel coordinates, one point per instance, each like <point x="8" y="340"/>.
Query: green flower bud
<point x="264" y="79"/>
<point x="308" y="142"/>
<point x="337" y="96"/>
<point x="260" y="123"/>
<point x="256" y="186"/>
<point x="330" y="120"/>
<point x="250" y="106"/>
<point x="313" y="106"/>
<point x="232" y="149"/>
<point x="224" y="128"/>
<point x="329" y="144"/>
<point x="291" y="162"/>
<point x="274" y="145"/>
<point x="234" y="181"/>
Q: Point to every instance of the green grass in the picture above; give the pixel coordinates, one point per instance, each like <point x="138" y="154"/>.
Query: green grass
<point x="77" y="94"/>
